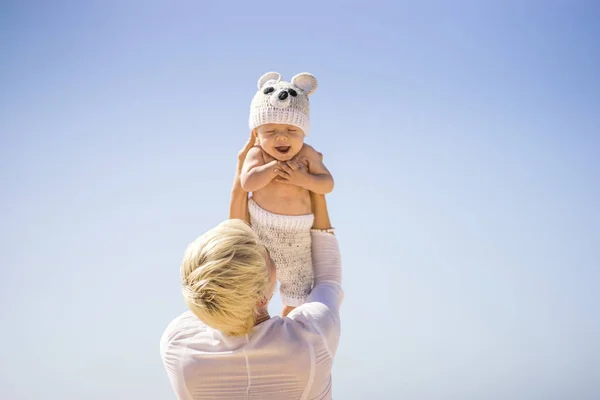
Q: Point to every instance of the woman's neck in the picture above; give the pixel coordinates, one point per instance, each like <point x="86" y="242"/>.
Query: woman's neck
<point x="262" y="315"/>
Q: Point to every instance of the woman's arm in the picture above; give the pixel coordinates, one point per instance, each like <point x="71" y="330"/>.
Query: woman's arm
<point x="319" y="209"/>
<point x="322" y="308"/>
<point x="327" y="268"/>
<point x="238" y="204"/>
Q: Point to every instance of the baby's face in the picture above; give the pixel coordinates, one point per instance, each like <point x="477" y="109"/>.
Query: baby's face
<point x="280" y="141"/>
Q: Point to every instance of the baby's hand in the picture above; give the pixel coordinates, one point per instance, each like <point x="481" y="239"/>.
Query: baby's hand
<point x="293" y="172"/>
<point x="309" y="171"/>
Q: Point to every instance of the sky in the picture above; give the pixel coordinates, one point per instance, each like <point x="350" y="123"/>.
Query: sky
<point x="464" y="139"/>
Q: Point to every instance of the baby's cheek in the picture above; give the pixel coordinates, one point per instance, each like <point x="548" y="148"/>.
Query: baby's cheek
<point x="271" y="145"/>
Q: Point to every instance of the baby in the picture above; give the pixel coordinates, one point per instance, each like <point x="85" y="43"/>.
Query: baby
<point x="280" y="171"/>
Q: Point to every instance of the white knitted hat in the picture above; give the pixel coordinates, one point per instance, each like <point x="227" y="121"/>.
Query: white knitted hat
<point x="281" y="102"/>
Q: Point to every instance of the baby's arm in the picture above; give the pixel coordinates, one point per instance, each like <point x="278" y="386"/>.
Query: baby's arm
<point x="255" y="173"/>
<point x="321" y="181"/>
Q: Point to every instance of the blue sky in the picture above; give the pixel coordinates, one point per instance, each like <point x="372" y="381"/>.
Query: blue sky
<point x="463" y="136"/>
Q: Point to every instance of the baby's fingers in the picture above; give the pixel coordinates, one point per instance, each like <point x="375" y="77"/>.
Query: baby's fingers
<point x="301" y="162"/>
<point x="282" y="176"/>
<point x="284" y="167"/>
<point x="293" y="164"/>
<point x="281" y="173"/>
<point x="297" y="164"/>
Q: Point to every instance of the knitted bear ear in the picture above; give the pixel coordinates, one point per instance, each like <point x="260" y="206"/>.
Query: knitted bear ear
<point x="269" y="77"/>
<point x="305" y="81"/>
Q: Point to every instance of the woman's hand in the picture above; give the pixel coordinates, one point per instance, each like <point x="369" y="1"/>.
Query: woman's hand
<point x="244" y="152"/>
<point x="238" y="204"/>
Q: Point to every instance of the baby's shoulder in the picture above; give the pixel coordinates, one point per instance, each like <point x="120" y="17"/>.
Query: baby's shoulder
<point x="309" y="152"/>
<point x="256" y="154"/>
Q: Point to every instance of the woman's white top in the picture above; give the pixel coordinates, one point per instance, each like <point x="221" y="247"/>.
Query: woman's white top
<point x="282" y="358"/>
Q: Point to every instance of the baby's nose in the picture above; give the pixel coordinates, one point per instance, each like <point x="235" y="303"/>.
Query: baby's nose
<point x="283" y="95"/>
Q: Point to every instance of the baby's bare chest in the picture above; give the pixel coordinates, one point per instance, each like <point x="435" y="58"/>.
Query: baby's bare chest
<point x="282" y="198"/>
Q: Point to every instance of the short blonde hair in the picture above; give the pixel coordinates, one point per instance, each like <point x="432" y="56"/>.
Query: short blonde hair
<point x="224" y="274"/>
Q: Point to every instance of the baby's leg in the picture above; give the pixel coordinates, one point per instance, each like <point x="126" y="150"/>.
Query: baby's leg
<point x="294" y="272"/>
<point x="289" y="242"/>
<point x="286" y="310"/>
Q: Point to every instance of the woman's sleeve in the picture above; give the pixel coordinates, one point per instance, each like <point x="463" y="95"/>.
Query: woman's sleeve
<point x="321" y="312"/>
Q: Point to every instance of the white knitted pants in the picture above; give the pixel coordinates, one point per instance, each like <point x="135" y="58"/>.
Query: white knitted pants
<point x="288" y="239"/>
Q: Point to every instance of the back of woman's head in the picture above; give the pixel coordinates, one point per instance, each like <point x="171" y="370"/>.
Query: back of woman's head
<point x="224" y="274"/>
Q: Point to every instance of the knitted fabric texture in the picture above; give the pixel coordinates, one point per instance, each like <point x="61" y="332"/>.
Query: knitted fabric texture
<point x="289" y="242"/>
<point x="281" y="102"/>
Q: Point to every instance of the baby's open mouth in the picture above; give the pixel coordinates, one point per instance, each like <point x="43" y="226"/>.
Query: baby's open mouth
<point x="283" y="149"/>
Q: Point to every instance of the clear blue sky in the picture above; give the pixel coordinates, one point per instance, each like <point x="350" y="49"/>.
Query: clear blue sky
<point x="465" y="142"/>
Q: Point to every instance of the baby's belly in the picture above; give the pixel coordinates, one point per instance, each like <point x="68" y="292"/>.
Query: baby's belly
<point x="280" y="198"/>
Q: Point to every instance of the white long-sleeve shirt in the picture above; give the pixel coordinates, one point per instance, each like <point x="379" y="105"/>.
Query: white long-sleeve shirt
<point x="281" y="358"/>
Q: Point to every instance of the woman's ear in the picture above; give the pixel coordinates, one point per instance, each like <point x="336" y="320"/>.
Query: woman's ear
<point x="262" y="302"/>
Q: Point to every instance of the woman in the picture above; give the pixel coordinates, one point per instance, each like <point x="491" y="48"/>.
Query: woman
<point x="228" y="346"/>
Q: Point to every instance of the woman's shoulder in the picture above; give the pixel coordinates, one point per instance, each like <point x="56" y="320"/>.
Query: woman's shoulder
<point x="187" y="330"/>
<point x="183" y="322"/>
<point x="317" y="321"/>
<point x="184" y="325"/>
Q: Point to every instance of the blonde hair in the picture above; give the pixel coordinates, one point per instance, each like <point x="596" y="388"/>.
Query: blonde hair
<point x="224" y="274"/>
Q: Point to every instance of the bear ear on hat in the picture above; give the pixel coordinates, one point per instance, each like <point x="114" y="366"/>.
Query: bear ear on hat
<point x="305" y="81"/>
<point x="269" y="77"/>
